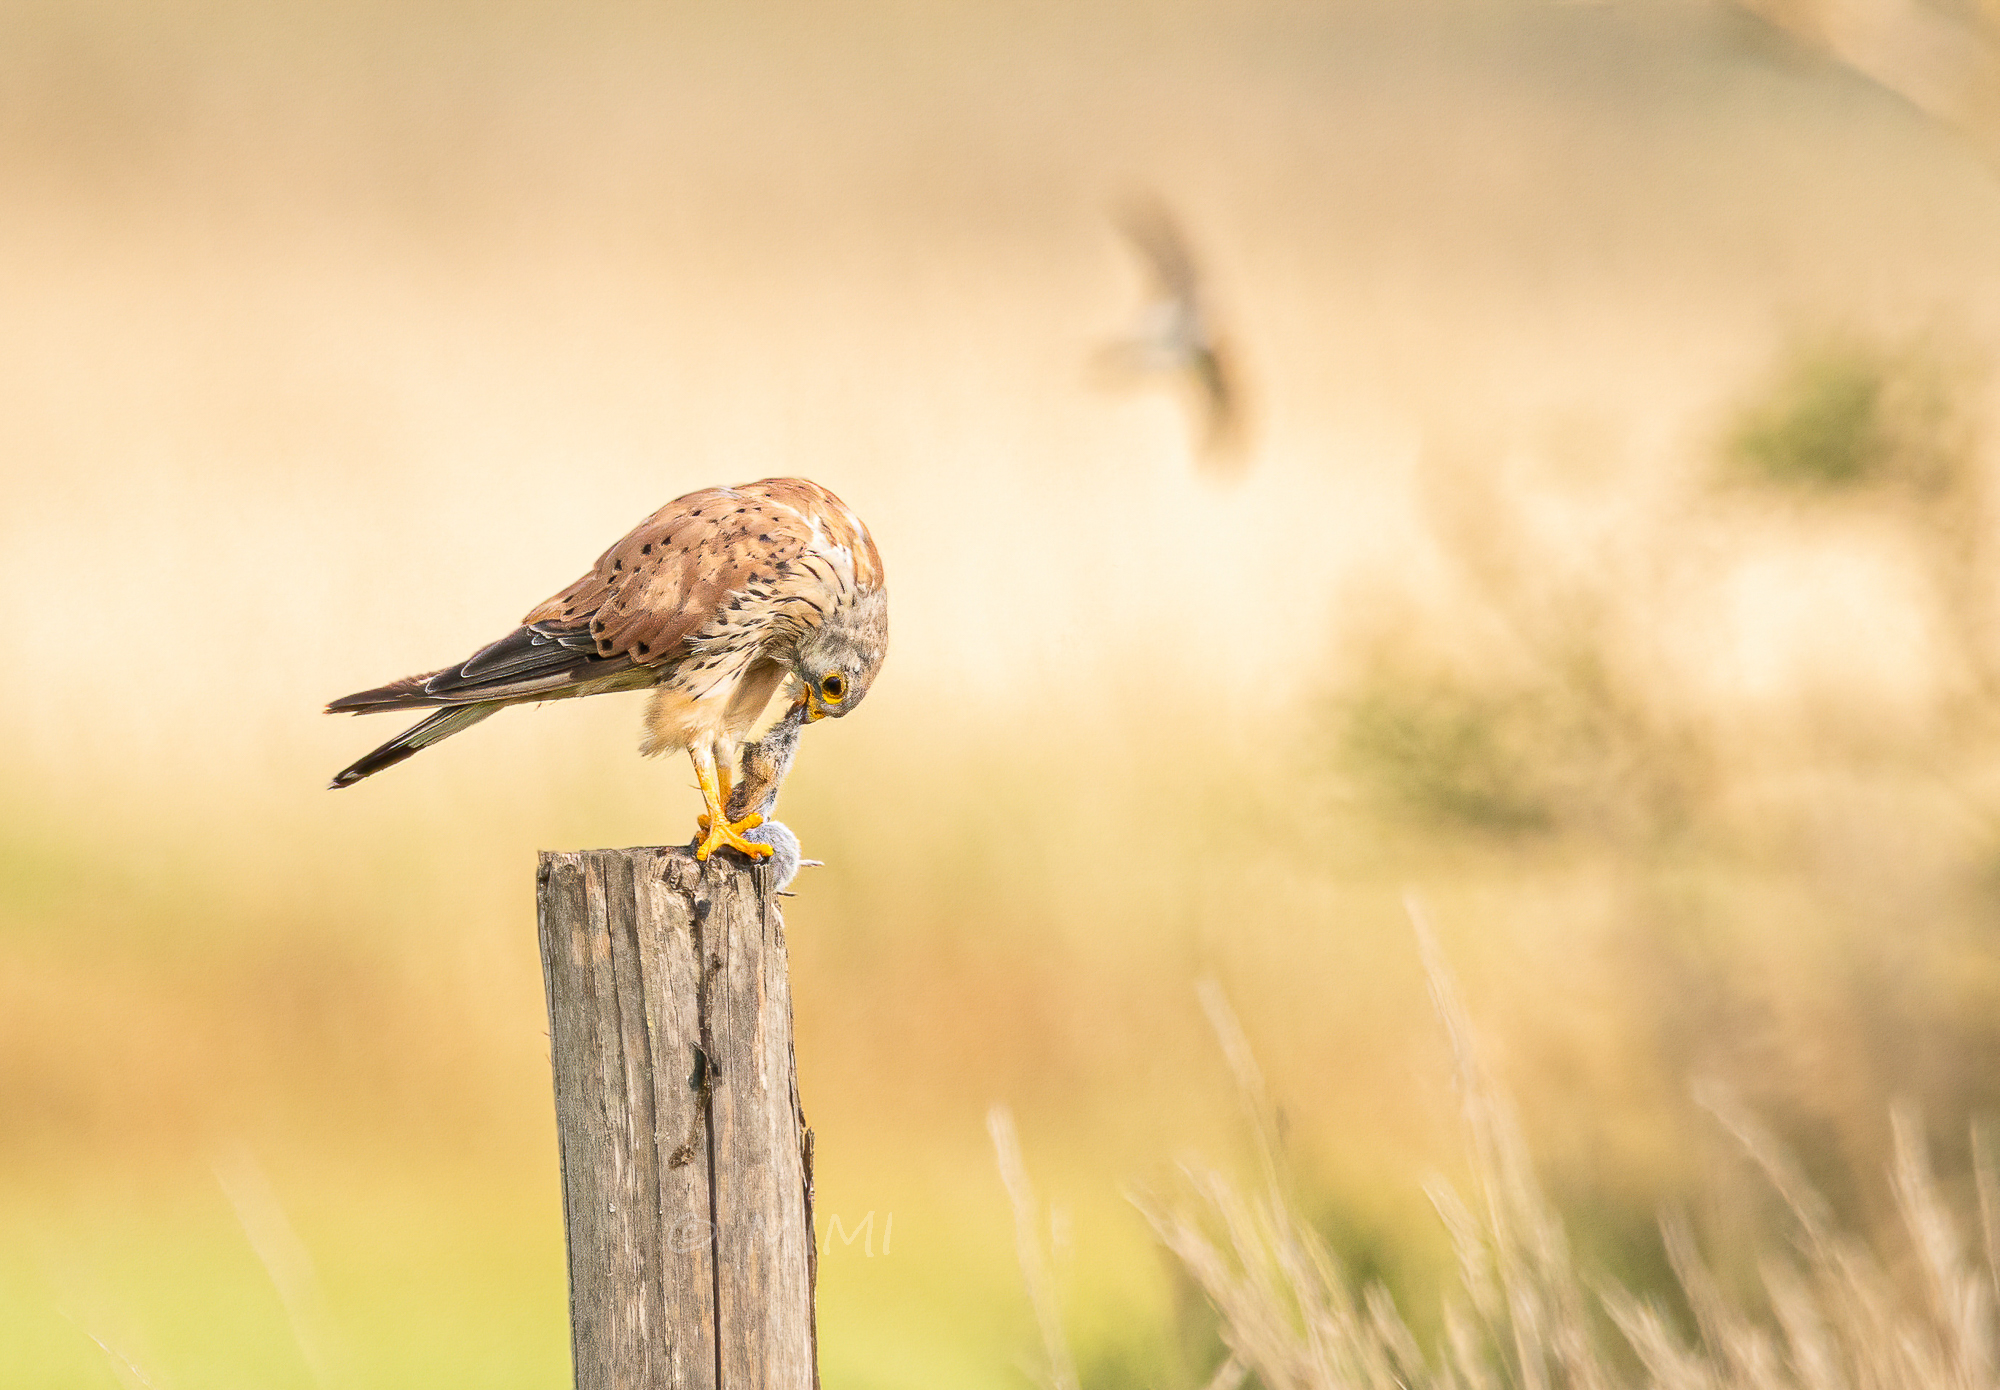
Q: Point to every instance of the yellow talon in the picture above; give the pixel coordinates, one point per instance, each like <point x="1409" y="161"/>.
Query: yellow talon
<point x="719" y="833"/>
<point x="716" y="827"/>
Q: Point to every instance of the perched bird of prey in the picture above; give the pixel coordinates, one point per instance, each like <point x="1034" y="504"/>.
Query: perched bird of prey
<point x="1175" y="336"/>
<point x="764" y="767"/>
<point x="711" y="602"/>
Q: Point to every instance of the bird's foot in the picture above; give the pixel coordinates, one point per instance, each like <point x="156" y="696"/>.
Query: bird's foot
<point x="718" y="832"/>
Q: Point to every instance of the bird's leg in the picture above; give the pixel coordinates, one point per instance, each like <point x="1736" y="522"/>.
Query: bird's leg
<point x="723" y="789"/>
<point x="718" y="830"/>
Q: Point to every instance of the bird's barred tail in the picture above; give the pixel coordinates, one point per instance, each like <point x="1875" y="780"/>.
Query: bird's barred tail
<point x="419" y="736"/>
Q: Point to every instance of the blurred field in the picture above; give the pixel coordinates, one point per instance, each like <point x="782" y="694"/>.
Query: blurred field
<point x="1611" y="567"/>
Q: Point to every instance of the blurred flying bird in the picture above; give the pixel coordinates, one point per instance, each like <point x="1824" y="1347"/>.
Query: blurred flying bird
<point x="1175" y="335"/>
<point x="762" y="772"/>
<point x="711" y="603"/>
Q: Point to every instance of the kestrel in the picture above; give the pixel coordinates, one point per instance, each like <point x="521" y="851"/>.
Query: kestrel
<point x="712" y="602"/>
<point x="1175" y="335"/>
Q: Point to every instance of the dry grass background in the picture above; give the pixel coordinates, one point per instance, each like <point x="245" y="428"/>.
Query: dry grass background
<point x="1610" y="566"/>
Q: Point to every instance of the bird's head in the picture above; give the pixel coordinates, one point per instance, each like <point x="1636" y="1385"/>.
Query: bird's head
<point x="837" y="661"/>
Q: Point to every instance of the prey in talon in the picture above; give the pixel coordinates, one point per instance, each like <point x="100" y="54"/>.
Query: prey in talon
<point x="712" y="603"/>
<point x="764" y="766"/>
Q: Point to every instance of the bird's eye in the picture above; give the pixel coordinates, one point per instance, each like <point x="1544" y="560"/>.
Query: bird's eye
<point x="833" y="689"/>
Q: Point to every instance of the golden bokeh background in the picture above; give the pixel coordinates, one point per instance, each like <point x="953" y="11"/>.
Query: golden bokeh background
<point x="1606" y="566"/>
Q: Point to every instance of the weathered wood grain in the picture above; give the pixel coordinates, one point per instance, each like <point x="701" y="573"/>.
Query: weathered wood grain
<point x="685" y="1158"/>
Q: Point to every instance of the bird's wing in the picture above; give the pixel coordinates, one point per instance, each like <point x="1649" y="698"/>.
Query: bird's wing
<point x="840" y="533"/>
<point x="536" y="662"/>
<point x="1157" y="237"/>
<point x="1221" y="400"/>
<point x="689" y="563"/>
<point x="530" y="660"/>
<point x="734" y="560"/>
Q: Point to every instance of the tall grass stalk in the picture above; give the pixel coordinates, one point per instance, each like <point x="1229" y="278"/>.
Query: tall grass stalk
<point x="127" y="1370"/>
<point x="285" y="1259"/>
<point x="1037" y="1264"/>
<point x="1835" y="1315"/>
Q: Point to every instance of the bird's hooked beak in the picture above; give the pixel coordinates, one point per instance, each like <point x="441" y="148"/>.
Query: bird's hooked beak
<point x="815" y="711"/>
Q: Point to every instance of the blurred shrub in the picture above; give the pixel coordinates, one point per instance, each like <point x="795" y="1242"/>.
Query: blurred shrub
<point x="1842" y="412"/>
<point x="1571" y="743"/>
<point x="1897" y="425"/>
<point x="1448" y="753"/>
<point x="1819" y="426"/>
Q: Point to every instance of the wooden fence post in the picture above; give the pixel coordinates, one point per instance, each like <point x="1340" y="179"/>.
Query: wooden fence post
<point x="686" y="1163"/>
